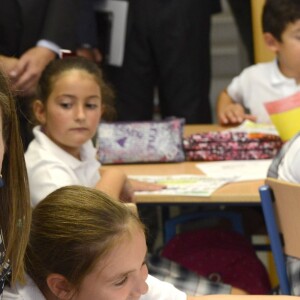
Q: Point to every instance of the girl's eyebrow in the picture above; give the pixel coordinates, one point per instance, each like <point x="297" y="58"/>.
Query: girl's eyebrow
<point x="66" y="95"/>
<point x="75" y="97"/>
<point x="93" y="96"/>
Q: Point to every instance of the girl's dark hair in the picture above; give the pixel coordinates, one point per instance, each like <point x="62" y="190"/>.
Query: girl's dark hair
<point x="59" y="66"/>
<point x="277" y="14"/>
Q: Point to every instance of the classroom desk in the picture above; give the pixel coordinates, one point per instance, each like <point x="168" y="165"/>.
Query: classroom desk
<point x="239" y="193"/>
<point x="232" y="193"/>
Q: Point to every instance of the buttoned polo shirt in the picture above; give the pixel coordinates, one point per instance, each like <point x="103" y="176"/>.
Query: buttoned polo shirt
<point x="259" y="84"/>
<point x="50" y="167"/>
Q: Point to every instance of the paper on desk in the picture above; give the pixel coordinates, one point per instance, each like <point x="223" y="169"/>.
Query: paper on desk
<point x="238" y="170"/>
<point x="184" y="185"/>
<point x="251" y="127"/>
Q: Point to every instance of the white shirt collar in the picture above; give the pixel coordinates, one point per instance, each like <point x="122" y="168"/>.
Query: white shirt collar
<point x="277" y="78"/>
<point x="87" y="151"/>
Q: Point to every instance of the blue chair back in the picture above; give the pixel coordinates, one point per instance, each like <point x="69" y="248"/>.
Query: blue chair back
<point x="281" y="208"/>
<point x="234" y="218"/>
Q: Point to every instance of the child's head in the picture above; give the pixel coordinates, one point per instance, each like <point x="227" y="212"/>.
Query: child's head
<point x="71" y="97"/>
<point x="278" y="14"/>
<point x="85" y="245"/>
<point x="281" y="27"/>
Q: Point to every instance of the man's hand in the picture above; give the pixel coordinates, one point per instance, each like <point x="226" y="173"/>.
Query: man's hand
<point x="26" y="74"/>
<point x="8" y="63"/>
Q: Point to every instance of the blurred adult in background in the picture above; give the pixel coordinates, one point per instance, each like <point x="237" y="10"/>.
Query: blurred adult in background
<point x="87" y="32"/>
<point x="241" y="10"/>
<point x="168" y="46"/>
<point x="32" y="34"/>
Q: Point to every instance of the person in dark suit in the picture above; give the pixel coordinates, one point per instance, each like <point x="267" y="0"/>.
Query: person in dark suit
<point x="168" y="46"/>
<point x="241" y="11"/>
<point x="26" y="27"/>
<point x="87" y="32"/>
<point x="32" y="34"/>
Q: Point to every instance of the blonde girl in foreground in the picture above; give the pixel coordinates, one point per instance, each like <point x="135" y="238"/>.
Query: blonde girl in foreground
<point x="86" y="246"/>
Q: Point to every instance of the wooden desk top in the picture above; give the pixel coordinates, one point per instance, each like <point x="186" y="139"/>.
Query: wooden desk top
<point x="190" y="129"/>
<point x="240" y="192"/>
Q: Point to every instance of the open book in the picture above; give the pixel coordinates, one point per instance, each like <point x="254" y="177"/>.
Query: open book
<point x="184" y="185"/>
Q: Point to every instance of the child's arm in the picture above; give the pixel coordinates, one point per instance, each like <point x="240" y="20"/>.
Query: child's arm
<point x="131" y="185"/>
<point x="145" y="186"/>
<point x="116" y="184"/>
<point x="230" y="112"/>
<point x="112" y="182"/>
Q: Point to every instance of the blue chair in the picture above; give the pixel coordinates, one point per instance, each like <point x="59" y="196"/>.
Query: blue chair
<point x="281" y="208"/>
<point x="171" y="224"/>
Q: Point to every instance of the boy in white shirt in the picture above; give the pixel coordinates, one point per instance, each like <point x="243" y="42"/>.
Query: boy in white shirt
<point x="245" y="96"/>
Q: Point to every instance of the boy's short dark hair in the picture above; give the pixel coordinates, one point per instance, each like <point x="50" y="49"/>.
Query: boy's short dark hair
<point x="277" y="14"/>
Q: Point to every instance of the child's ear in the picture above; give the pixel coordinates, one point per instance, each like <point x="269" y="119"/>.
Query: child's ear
<point x="271" y="42"/>
<point x="59" y="286"/>
<point x="39" y="111"/>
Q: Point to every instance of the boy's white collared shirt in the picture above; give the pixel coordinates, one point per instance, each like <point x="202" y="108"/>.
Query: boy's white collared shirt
<point x="260" y="83"/>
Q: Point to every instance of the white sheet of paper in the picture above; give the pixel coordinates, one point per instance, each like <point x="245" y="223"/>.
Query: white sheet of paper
<point x="184" y="185"/>
<point x="238" y="170"/>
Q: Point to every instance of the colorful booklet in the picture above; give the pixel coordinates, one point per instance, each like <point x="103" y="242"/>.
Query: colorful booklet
<point x="285" y="115"/>
<point x="184" y="184"/>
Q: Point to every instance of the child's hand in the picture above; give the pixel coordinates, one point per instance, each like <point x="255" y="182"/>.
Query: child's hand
<point x="132" y="185"/>
<point x="145" y="186"/>
<point x="234" y="114"/>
